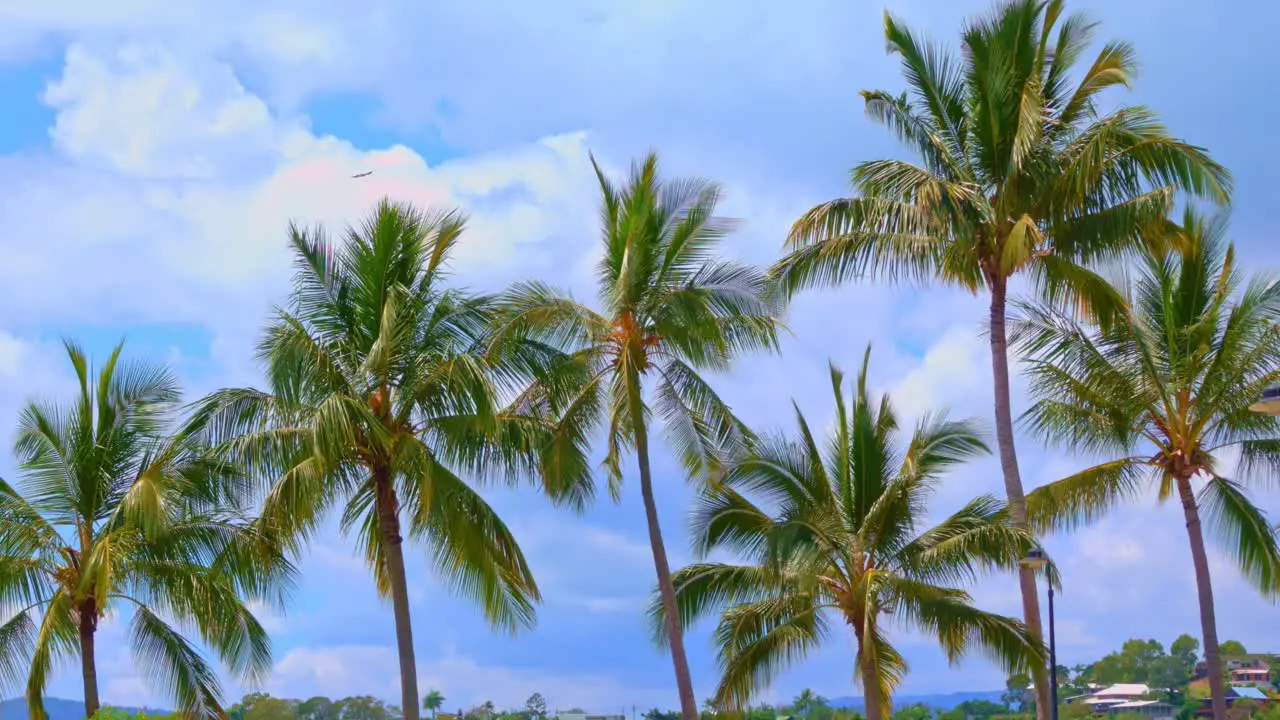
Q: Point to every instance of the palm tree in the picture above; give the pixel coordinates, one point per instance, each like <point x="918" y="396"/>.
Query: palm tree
<point x="1166" y="389"/>
<point x="433" y="702"/>
<point x="670" y="309"/>
<point x="382" y="395"/>
<point x="114" y="512"/>
<point x="845" y="541"/>
<point x="1019" y="174"/>
<point x="806" y="702"/>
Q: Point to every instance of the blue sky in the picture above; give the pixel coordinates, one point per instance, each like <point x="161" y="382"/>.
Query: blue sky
<point x="151" y="154"/>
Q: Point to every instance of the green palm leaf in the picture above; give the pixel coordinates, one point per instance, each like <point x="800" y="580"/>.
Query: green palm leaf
<point x="842" y="541"/>
<point x="385" y="389"/>
<point x="669" y="310"/>
<point x="115" y="505"/>
<point x="1167" y="386"/>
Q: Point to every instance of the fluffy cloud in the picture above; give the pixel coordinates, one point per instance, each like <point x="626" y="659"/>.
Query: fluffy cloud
<point x="174" y="185"/>
<point x="338" y="671"/>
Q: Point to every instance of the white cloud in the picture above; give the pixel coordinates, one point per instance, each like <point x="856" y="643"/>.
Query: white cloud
<point x="955" y="368"/>
<point x="128" y="691"/>
<point x="615" y="604"/>
<point x="337" y="671"/>
<point x="270" y="618"/>
<point x="194" y="181"/>
<point x="140" y="111"/>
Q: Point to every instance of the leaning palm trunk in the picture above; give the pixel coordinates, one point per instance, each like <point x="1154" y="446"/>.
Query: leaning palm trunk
<point x="1204" y="591"/>
<point x="1013" y="481"/>
<point x="671" y="308"/>
<point x="684" y="680"/>
<point x="388" y="508"/>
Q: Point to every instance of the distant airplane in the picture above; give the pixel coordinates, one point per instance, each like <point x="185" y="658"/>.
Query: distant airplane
<point x="363" y="174"/>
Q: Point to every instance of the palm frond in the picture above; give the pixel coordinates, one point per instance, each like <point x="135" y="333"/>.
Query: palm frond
<point x="1086" y="496"/>
<point x="1245" y="532"/>
<point x="172" y="663"/>
<point x="759" y="640"/>
<point x="472" y="549"/>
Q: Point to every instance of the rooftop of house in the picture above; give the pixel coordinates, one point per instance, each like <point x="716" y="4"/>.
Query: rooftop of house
<point x="1123" y="690"/>
<point x="1249" y="693"/>
<point x="1137" y="704"/>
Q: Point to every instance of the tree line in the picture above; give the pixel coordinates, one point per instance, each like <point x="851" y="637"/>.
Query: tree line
<point x="390" y="393"/>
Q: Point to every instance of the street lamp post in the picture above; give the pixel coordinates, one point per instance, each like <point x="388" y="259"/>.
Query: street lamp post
<point x="1037" y="560"/>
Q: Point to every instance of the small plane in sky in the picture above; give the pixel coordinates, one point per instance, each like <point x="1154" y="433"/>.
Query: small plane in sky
<point x="367" y="173"/>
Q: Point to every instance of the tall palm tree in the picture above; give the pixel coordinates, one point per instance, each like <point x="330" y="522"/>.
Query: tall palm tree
<point x="1166" y="389"/>
<point x="1019" y="174"/>
<point x="835" y="532"/>
<point x="115" y="512"/>
<point x="669" y="309"/>
<point x="806" y="702"/>
<point x="433" y="701"/>
<point x="382" y="395"/>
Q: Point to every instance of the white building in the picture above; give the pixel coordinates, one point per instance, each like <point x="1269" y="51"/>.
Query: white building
<point x="588" y="716"/>
<point x="1147" y="708"/>
<point x="1104" y="699"/>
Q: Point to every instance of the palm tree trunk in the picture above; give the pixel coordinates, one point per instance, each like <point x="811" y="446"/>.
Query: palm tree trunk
<point x="675" y="633"/>
<point x="1204" y="588"/>
<point x="88" y="663"/>
<point x="388" y="509"/>
<point x="1017" y="499"/>
<point x="873" y="704"/>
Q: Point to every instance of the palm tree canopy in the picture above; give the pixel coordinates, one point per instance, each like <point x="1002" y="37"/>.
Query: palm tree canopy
<point x="376" y="363"/>
<point x="433" y="701"/>
<point x="835" y="529"/>
<point x="807" y="701"/>
<point x="115" y="512"/>
<point x="1167" y="389"/>
<point x="1017" y="166"/>
<point x="669" y="308"/>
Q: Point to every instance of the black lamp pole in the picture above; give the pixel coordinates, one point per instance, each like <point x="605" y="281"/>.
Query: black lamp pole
<point x="1053" y="651"/>
<point x="1036" y="559"/>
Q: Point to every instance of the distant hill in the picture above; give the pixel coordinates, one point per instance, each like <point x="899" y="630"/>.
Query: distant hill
<point x="938" y="702"/>
<point x="58" y="709"/>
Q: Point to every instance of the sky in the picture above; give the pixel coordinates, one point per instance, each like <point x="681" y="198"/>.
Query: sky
<point x="152" y="153"/>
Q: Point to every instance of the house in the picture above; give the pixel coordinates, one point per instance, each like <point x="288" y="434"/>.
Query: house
<point x="1234" y="694"/>
<point x="1251" y="675"/>
<point x="1104" y="699"/>
<point x="585" y="716"/>
<point x="1146" y="708"/>
<point x="1259" y="661"/>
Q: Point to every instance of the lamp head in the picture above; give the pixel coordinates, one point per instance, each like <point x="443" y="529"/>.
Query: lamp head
<point x="1269" y="403"/>
<point x="1035" y="559"/>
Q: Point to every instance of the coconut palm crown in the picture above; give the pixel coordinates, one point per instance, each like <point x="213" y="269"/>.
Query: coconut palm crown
<point x="1163" y="394"/>
<point x="669" y="308"/>
<point x="117" y="516"/>
<point x="384" y="397"/>
<point x="834" y="533"/>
